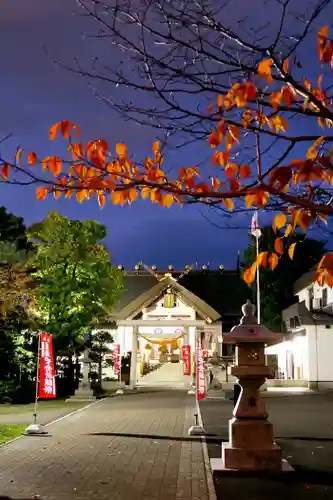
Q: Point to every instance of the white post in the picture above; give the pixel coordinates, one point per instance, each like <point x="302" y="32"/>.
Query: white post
<point x="255" y="231"/>
<point x="133" y="372"/>
<point x="258" y="279"/>
<point x="37" y="381"/>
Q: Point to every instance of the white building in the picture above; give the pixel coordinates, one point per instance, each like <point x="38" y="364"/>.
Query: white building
<point x="172" y="309"/>
<point x="305" y="357"/>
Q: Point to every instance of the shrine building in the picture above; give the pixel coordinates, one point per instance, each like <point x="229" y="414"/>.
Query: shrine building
<point x="159" y="311"/>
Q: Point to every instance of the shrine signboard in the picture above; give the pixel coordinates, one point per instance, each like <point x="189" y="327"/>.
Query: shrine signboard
<point x="46" y="386"/>
<point x="201" y="379"/>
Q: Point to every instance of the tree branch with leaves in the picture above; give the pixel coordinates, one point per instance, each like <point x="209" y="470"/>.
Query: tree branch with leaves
<point x="240" y="87"/>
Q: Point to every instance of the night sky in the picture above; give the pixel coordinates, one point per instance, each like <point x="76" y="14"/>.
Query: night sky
<point x="35" y="94"/>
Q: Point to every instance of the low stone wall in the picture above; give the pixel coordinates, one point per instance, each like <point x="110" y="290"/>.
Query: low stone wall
<point x="273" y="382"/>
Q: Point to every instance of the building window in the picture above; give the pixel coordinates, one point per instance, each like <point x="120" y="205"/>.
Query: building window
<point x="324" y="298"/>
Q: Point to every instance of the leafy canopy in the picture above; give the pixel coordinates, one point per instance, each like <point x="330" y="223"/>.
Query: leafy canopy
<point x="76" y="281"/>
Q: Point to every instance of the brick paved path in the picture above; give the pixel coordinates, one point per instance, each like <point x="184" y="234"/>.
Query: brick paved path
<point x="128" y="447"/>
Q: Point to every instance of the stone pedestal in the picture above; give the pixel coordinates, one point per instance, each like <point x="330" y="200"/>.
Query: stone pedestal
<point x="84" y="392"/>
<point x="251" y="445"/>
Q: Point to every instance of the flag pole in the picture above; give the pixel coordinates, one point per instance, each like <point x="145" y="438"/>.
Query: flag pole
<point x="35" y="428"/>
<point x="258" y="272"/>
<point x="37" y="381"/>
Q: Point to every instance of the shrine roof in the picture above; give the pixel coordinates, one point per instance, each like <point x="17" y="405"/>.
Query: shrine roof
<point x="222" y="290"/>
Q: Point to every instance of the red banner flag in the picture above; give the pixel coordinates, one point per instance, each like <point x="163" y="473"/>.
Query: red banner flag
<point x="201" y="381"/>
<point x="116" y="359"/>
<point x="186" y="357"/>
<point x="46" y="387"/>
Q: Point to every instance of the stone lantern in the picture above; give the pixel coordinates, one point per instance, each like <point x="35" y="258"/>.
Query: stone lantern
<point x="251" y="445"/>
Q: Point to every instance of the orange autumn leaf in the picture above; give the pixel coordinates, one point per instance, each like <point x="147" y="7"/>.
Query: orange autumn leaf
<point x="145" y="190"/>
<point x="167" y="200"/>
<point x="247" y="117"/>
<point x="121" y="150"/>
<point x="250" y="274"/>
<point x="279" y="123"/>
<point x="244" y="171"/>
<point x="291" y="250"/>
<point x="5" y="171"/>
<point x="54" y="129"/>
<point x="261" y="260"/>
<point x="265" y="70"/>
<point x="32" y="158"/>
<point x="41" y="193"/>
<point x="231" y="170"/>
<point x="287" y="95"/>
<point x="219" y="101"/>
<point x="228" y="203"/>
<point x="101" y="200"/>
<point x="209" y="108"/>
<point x="65" y="129"/>
<point x="155" y="147"/>
<point x="285" y="66"/>
<point x="273" y="260"/>
<point x="234" y="133"/>
<point x="18" y="154"/>
<point x="322" y="39"/>
<point x="220" y="158"/>
<point x="132" y="194"/>
<point x="280" y="220"/>
<point x="215" y="139"/>
<point x="56" y="194"/>
<point x="278" y="246"/>
<point x="80" y="195"/>
<point x="275" y="99"/>
<point x="55" y="165"/>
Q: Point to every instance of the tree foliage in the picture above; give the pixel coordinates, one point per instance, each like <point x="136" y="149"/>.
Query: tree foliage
<point x="100" y="348"/>
<point x="76" y="281"/>
<point x="244" y="88"/>
<point x="277" y="288"/>
<point x="17" y="346"/>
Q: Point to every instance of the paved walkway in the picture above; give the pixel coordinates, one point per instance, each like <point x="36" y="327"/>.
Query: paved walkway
<point x="129" y="447"/>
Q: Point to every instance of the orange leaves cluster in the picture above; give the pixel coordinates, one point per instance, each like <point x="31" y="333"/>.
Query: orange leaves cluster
<point x="265" y="70"/>
<point x="265" y="259"/>
<point x="65" y="127"/>
<point x="256" y="196"/>
<point x="325" y="46"/>
<point x="324" y="272"/>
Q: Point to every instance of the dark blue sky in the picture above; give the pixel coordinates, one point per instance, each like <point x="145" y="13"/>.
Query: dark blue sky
<point x="35" y="94"/>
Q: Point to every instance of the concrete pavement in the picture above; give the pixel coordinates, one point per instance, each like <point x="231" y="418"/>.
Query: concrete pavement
<point x="127" y="447"/>
<point x="303" y="427"/>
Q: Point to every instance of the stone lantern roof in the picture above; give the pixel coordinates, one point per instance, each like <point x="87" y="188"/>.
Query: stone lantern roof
<point x="249" y="331"/>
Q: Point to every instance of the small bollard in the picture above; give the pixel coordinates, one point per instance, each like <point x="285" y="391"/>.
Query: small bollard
<point x="196" y="430"/>
<point x="237" y="391"/>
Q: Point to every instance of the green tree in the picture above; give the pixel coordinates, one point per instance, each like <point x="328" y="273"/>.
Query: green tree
<point x="17" y="345"/>
<point x="13" y="230"/>
<point x="15" y="279"/>
<point x="99" y="349"/>
<point x="277" y="287"/>
<point x="77" y="283"/>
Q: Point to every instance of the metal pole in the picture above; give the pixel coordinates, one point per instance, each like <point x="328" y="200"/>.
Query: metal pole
<point x="37" y="380"/>
<point x="258" y="273"/>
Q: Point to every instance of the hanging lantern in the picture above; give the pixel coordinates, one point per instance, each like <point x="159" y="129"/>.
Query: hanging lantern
<point x="169" y="299"/>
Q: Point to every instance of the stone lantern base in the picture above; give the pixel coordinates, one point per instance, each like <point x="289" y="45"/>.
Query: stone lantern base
<point x="251" y="447"/>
